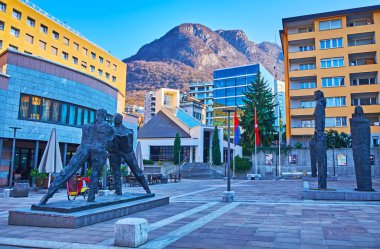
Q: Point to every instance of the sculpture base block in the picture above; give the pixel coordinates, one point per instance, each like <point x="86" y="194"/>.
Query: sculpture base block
<point x="339" y="194"/>
<point x="79" y="213"/>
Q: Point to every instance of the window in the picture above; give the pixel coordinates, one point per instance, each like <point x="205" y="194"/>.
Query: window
<point x="307" y="66"/>
<point x="107" y="75"/>
<point x="54" y="50"/>
<point x="93" y="55"/>
<point x="31" y="22"/>
<point x="307" y="123"/>
<point x="24" y="106"/>
<point x="305" y="29"/>
<point x="15" y="32"/>
<point x="306" y="48"/>
<point x="114" y="67"/>
<point x="27" y="52"/>
<point x="12" y="47"/>
<point x="84" y="50"/>
<point x="336" y="122"/>
<point x="55" y="35"/>
<point x="65" y="55"/>
<point x="66" y="41"/>
<point x="75" y="60"/>
<point x="100" y="59"/>
<point x="100" y="72"/>
<point x="3" y="7"/>
<point x="92" y="68"/>
<point x="16" y="14"/>
<point x="332" y="62"/>
<point x="44" y="29"/>
<point x="42" y="45"/>
<point x="307" y="85"/>
<point x="72" y="114"/>
<point x="364" y="81"/>
<point x="333" y="82"/>
<point x="364" y="101"/>
<point x="2" y="25"/>
<point x="335" y="101"/>
<point x="46" y="109"/>
<point x="35" y="108"/>
<point x="108" y="63"/>
<point x="84" y="64"/>
<point x="1" y="44"/>
<point x="330" y="24"/>
<point x="76" y="46"/>
<point x="308" y="104"/>
<point x="113" y="79"/>
<point x="29" y="38"/>
<point x="331" y="43"/>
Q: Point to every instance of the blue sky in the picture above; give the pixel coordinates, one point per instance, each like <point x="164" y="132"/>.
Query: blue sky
<point x="123" y="26"/>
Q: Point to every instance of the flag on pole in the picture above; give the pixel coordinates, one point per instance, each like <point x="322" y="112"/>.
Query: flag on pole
<point x="257" y="135"/>
<point x="236" y="130"/>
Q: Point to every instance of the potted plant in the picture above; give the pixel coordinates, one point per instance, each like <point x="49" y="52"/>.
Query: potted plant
<point x="34" y="175"/>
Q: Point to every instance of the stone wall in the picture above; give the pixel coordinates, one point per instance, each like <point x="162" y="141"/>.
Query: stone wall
<point x="302" y="162"/>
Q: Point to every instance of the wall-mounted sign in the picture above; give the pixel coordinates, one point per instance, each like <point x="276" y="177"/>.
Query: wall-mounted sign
<point x="268" y="159"/>
<point x="293" y="159"/>
<point x="342" y="159"/>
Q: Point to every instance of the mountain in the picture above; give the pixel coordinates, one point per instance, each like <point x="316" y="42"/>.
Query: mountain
<point x="190" y="53"/>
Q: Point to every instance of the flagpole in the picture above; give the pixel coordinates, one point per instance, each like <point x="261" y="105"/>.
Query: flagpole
<point x="279" y="141"/>
<point x="255" y="143"/>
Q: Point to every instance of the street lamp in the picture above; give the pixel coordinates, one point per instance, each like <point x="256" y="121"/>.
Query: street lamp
<point x="229" y="195"/>
<point x="13" y="155"/>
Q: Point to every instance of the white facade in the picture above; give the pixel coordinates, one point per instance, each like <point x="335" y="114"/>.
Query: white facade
<point x="169" y="117"/>
<point x="203" y="91"/>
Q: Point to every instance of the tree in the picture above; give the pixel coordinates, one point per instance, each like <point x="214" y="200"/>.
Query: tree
<point x="337" y="140"/>
<point x="177" y="149"/>
<point x="258" y="95"/>
<point x="216" y="148"/>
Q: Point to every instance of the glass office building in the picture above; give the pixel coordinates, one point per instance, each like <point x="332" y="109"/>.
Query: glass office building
<point x="230" y="84"/>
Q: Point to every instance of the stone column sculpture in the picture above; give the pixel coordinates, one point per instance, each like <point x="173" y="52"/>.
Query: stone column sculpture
<point x="320" y="138"/>
<point x="313" y="157"/>
<point x="361" y="141"/>
<point x="96" y="140"/>
<point x="122" y="150"/>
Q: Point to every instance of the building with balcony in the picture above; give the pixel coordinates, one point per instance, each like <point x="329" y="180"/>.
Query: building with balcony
<point x="336" y="52"/>
<point x="50" y="77"/>
<point x="204" y="92"/>
<point x="27" y="28"/>
<point x="149" y="105"/>
<point x="194" y="107"/>
<point x="229" y="87"/>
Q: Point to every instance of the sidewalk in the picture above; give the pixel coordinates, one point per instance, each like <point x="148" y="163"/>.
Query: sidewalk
<point x="266" y="214"/>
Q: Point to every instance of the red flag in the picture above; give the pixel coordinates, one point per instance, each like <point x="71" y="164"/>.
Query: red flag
<point x="257" y="135"/>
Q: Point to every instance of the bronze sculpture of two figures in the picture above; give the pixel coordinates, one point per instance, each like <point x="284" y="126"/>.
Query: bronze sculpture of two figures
<point x="99" y="141"/>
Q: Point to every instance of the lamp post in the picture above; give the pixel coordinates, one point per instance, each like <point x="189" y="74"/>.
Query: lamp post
<point x="13" y="155"/>
<point x="229" y="195"/>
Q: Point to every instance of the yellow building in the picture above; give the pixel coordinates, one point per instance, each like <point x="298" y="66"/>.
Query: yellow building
<point x="336" y="52"/>
<point x="29" y="29"/>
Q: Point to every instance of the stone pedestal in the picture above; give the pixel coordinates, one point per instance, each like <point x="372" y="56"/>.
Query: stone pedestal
<point x="21" y="189"/>
<point x="104" y="192"/>
<point x="228" y="196"/>
<point x="131" y="232"/>
<point x="7" y="192"/>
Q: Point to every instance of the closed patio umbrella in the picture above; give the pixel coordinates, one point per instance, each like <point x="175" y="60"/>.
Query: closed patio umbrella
<point x="51" y="161"/>
<point x="139" y="157"/>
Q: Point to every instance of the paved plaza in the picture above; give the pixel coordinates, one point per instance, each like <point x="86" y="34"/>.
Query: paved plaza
<point x="266" y="214"/>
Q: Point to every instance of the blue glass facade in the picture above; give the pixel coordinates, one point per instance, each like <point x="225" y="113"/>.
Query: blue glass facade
<point x="230" y="84"/>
